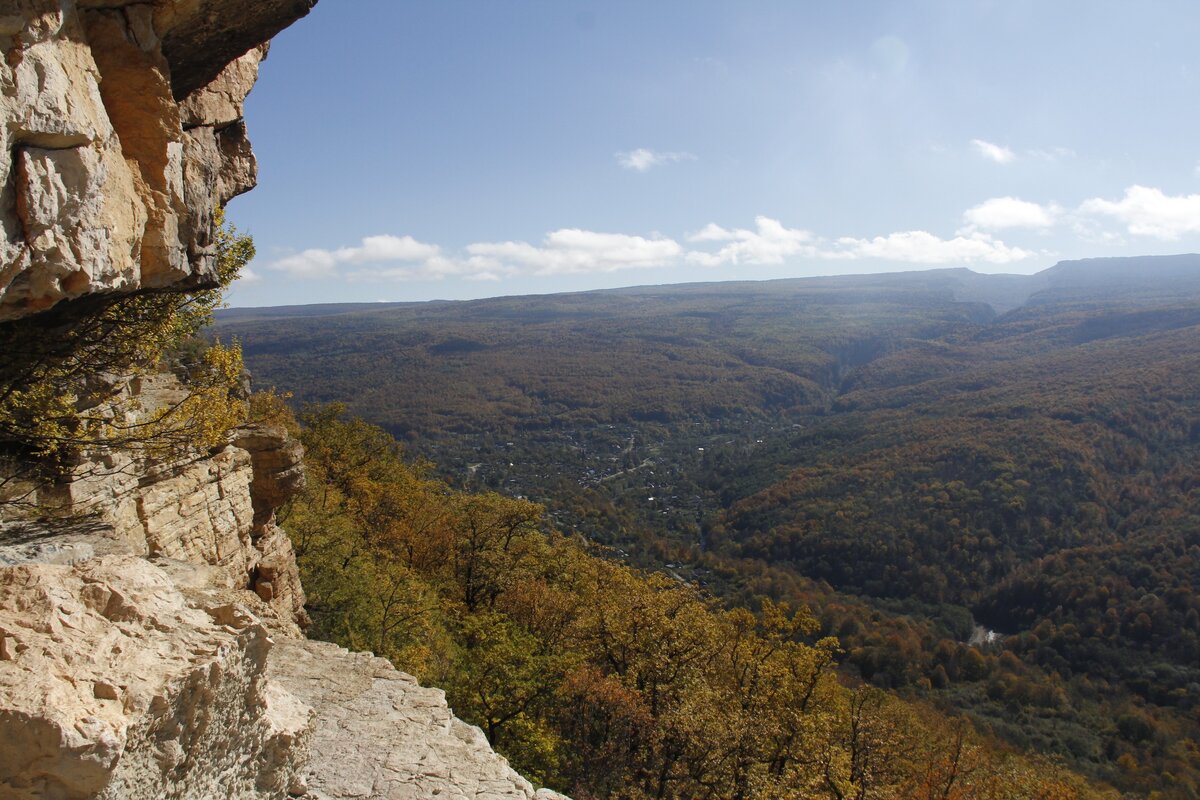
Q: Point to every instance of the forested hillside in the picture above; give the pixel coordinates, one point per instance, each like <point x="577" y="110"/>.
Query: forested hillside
<point x="985" y="487"/>
<point x="590" y="675"/>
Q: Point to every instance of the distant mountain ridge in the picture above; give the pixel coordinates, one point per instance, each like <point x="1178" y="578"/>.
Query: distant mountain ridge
<point x="1139" y="277"/>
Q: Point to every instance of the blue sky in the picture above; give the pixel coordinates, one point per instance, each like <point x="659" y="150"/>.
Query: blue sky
<point x="459" y="149"/>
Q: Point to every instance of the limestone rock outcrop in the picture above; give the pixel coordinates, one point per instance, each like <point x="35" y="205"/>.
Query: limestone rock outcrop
<point x="214" y="509"/>
<point x="278" y="467"/>
<point x="123" y="119"/>
<point x="151" y="610"/>
<point x="115" y="686"/>
<point x="151" y="646"/>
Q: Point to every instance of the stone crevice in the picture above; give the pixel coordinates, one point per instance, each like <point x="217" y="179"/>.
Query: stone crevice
<point x="215" y="127"/>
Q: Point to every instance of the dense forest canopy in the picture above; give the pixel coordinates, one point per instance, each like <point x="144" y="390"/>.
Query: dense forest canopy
<point x="591" y="675"/>
<point x="985" y="487"/>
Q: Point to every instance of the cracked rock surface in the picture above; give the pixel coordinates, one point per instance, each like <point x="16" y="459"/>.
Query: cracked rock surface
<point x="114" y="686"/>
<point x="379" y="734"/>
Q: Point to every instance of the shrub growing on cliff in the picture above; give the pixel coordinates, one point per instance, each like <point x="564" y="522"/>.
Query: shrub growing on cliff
<point x="64" y="375"/>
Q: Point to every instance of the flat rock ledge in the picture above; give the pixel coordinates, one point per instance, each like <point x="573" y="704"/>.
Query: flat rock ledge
<point x="381" y="735"/>
<point x="127" y="678"/>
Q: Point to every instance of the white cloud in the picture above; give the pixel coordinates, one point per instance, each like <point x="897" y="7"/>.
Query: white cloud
<point x="573" y="251"/>
<point x="436" y="268"/>
<point x="387" y="248"/>
<point x="565" y="251"/>
<point x="772" y="243"/>
<point x="247" y="275"/>
<point x="308" y="264"/>
<point x="921" y="247"/>
<point x="317" y="263"/>
<point x="769" y="243"/>
<point x="712" y="232"/>
<point x="1010" y="212"/>
<point x="995" y="152"/>
<point x="643" y="159"/>
<point x="1147" y="211"/>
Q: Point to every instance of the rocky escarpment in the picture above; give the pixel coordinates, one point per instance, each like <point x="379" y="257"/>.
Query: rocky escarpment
<point x="150" y="608"/>
<point x="122" y="120"/>
<point x="137" y="614"/>
<point x="214" y="509"/>
<point x="150" y="648"/>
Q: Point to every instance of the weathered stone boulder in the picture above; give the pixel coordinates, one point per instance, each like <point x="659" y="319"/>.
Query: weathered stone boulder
<point x="123" y="678"/>
<point x="113" y="685"/>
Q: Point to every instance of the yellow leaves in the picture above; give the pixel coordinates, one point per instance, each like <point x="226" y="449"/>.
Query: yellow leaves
<point x="598" y="678"/>
<point x="234" y="249"/>
<point x="44" y="412"/>
<point x="204" y="417"/>
<point x="66" y="390"/>
<point x="270" y="408"/>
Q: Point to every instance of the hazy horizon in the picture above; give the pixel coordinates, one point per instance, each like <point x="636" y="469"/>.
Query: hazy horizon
<point x="681" y="283"/>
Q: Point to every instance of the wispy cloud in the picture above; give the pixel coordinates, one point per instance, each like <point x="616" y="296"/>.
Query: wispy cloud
<point x="1053" y="154"/>
<point x="922" y="247"/>
<point x="643" y="159"/>
<point x="769" y="243"/>
<point x="435" y="268"/>
<point x="1141" y="212"/>
<point x="1003" y="154"/>
<point x="573" y="251"/>
<point x="1000" y="213"/>
<point x="993" y="152"/>
<point x="317" y="263"/>
<point x="1147" y="211"/>
<point x="562" y="252"/>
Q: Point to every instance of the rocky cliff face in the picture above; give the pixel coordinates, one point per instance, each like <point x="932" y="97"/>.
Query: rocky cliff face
<point x="151" y="616"/>
<point x="122" y="120"/>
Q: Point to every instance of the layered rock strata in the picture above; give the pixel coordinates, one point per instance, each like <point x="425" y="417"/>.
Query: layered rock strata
<point x="150" y="648"/>
<point x="214" y="509"/>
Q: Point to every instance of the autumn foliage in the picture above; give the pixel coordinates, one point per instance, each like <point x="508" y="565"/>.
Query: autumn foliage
<point x="598" y="679"/>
